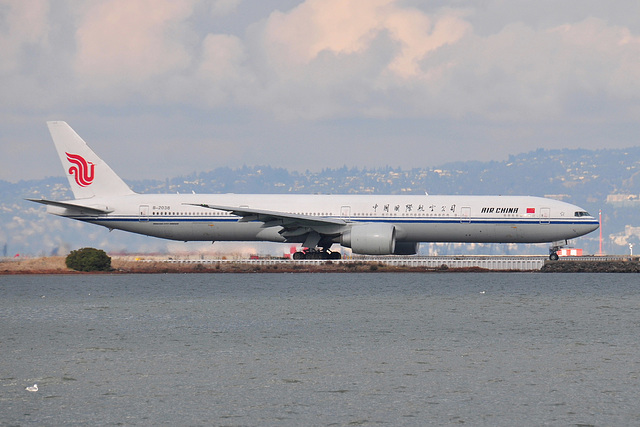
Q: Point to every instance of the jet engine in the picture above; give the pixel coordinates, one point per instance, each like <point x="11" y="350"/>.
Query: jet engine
<point x="406" y="248"/>
<point x="370" y="239"/>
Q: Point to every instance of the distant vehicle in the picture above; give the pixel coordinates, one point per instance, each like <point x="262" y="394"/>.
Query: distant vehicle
<point x="368" y="224"/>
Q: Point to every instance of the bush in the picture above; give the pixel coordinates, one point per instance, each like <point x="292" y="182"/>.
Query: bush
<point x="88" y="259"/>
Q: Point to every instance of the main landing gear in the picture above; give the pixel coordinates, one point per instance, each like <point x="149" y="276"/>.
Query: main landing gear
<point x="316" y="254"/>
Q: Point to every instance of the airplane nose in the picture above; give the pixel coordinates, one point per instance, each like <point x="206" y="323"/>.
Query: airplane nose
<point x="588" y="228"/>
<point x="582" y="229"/>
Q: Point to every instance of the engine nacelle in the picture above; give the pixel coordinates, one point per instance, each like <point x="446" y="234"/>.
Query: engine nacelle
<point x="370" y="239"/>
<point x="406" y="248"/>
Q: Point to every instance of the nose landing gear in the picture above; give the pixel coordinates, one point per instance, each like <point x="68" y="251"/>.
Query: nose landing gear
<point x="555" y="247"/>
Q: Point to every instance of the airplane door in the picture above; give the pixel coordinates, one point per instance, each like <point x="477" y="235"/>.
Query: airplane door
<point x="545" y="214"/>
<point x="144" y="213"/>
<point x="465" y="214"/>
<point x="345" y="212"/>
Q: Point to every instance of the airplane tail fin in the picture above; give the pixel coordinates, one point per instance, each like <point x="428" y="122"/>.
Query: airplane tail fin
<point x="88" y="175"/>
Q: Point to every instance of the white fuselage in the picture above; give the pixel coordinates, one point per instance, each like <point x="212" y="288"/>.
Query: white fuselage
<point x="368" y="224"/>
<point x="416" y="218"/>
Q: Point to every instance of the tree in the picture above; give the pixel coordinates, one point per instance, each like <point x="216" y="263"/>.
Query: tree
<point x="88" y="259"/>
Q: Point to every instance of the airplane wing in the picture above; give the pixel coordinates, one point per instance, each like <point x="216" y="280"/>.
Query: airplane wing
<point x="79" y="208"/>
<point x="295" y="228"/>
<point x="274" y="218"/>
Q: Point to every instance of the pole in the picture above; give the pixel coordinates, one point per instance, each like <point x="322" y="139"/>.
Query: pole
<point x="600" y="221"/>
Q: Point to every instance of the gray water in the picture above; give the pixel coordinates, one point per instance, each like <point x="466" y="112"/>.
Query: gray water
<point x="320" y="349"/>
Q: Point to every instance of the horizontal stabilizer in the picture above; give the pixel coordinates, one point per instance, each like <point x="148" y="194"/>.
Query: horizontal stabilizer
<point x="78" y="208"/>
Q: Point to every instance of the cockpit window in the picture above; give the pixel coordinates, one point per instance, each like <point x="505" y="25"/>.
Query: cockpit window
<point x="582" y="213"/>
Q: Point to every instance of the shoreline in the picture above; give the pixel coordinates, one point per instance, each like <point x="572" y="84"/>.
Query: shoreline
<point x="56" y="265"/>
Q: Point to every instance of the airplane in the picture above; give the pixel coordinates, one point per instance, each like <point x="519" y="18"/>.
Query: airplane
<point x="368" y="224"/>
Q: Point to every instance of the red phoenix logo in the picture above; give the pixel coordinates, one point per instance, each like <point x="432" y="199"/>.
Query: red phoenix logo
<point x="81" y="169"/>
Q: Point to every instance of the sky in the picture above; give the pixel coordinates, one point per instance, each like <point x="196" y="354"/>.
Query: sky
<point x="161" y="88"/>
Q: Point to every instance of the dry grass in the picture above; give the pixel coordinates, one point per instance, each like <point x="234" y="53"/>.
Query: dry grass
<point x="56" y="265"/>
<point x="45" y="265"/>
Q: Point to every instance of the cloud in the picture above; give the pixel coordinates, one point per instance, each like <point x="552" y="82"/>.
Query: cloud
<point x="221" y="8"/>
<point x="520" y="73"/>
<point x="23" y="25"/>
<point x="435" y="65"/>
<point x="322" y="59"/>
<point x="221" y="73"/>
<point x="350" y="56"/>
<point x="299" y="36"/>
<point x="123" y="44"/>
<point x="382" y="59"/>
<point x="451" y="75"/>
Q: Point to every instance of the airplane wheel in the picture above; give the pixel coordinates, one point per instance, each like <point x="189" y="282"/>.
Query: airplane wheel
<point x="298" y="256"/>
<point x="553" y="257"/>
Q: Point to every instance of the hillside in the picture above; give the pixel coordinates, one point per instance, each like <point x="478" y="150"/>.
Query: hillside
<point x="602" y="179"/>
